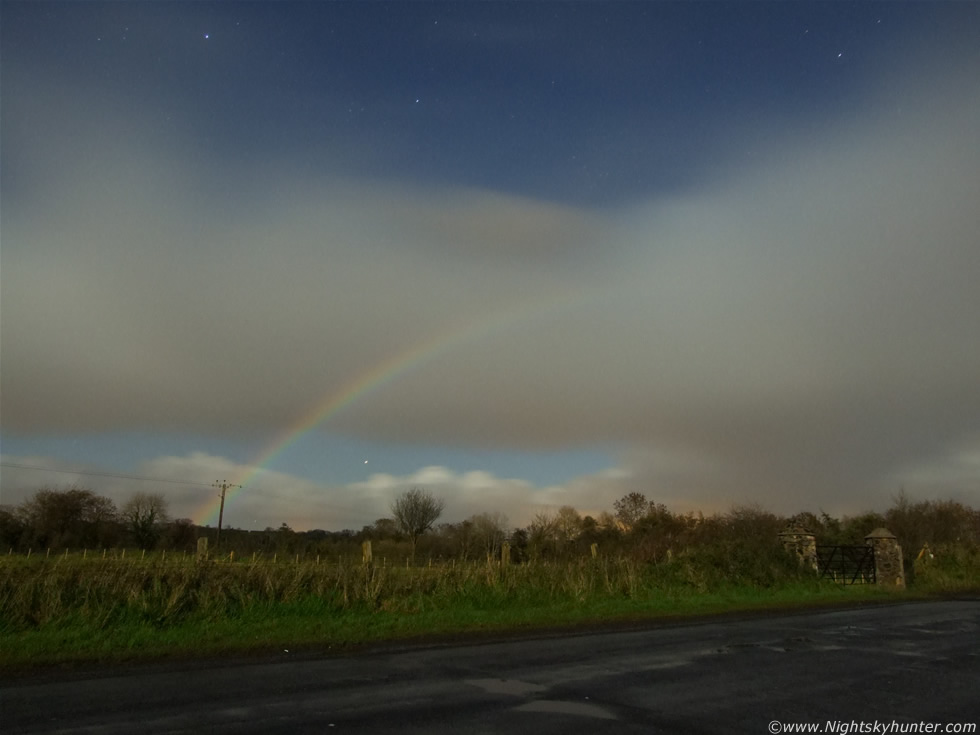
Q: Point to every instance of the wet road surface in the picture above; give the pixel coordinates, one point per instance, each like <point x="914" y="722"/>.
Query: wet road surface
<point x="916" y="662"/>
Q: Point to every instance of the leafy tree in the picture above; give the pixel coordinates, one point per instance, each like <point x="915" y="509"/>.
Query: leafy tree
<point x="384" y="528"/>
<point x="631" y="508"/>
<point x="145" y="515"/>
<point x="519" y="540"/>
<point x="181" y="534"/>
<point x="73" y="517"/>
<point x="414" y="512"/>
<point x="12" y="529"/>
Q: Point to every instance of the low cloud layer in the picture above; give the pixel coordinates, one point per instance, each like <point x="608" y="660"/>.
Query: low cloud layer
<point x="271" y="498"/>
<point x="805" y="325"/>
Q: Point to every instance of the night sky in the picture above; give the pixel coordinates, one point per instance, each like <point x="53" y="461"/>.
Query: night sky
<point x="522" y="254"/>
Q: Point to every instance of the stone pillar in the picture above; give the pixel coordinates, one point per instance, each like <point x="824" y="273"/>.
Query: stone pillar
<point x="801" y="541"/>
<point x="889" y="566"/>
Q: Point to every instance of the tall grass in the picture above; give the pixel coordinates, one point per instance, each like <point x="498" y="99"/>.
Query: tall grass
<point x="46" y="592"/>
<point x="56" y="609"/>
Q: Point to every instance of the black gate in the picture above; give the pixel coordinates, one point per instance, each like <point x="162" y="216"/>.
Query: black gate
<point x="847" y="564"/>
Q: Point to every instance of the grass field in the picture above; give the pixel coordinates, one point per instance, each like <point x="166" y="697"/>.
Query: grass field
<point x="56" y="610"/>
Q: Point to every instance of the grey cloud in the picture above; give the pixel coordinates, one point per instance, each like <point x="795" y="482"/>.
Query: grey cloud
<point x="806" y="326"/>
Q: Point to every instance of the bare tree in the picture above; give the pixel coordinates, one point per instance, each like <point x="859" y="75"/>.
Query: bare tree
<point x="542" y="533"/>
<point x="568" y="524"/>
<point x="145" y="514"/>
<point x="490" y="530"/>
<point x="415" y="511"/>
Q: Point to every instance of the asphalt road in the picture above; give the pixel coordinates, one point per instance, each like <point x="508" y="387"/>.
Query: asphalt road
<point x="917" y="662"/>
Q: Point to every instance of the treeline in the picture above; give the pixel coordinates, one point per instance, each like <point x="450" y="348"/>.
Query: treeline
<point x="78" y="518"/>
<point x="635" y="527"/>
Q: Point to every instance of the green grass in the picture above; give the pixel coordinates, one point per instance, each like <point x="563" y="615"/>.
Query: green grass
<point x="73" y="611"/>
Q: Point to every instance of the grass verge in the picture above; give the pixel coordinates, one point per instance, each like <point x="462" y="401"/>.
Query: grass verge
<point x="79" y="614"/>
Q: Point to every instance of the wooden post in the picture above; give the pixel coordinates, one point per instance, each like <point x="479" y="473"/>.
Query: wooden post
<point x="143" y="555"/>
<point x="123" y="554"/>
<point x="367" y="556"/>
<point x="202" y="548"/>
<point x="84" y="553"/>
<point x="29" y="553"/>
<point x="505" y="554"/>
<point x="48" y="554"/>
<point x="595" y="550"/>
<point x="66" y="553"/>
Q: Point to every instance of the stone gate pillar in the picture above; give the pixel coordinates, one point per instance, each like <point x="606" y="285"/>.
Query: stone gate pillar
<point x="889" y="567"/>
<point x="801" y="541"/>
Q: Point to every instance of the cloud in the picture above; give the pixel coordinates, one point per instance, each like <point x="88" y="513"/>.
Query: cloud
<point x="270" y="498"/>
<point x="802" y="326"/>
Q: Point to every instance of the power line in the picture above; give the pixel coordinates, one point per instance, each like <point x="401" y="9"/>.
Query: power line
<point x="103" y="474"/>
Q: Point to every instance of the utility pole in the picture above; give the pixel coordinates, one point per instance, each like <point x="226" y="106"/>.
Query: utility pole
<point x="223" y="486"/>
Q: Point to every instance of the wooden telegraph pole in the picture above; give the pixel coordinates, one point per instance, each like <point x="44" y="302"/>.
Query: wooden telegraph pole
<point x="223" y="486"/>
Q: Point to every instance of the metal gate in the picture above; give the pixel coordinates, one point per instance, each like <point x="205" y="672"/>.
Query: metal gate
<point x="847" y="564"/>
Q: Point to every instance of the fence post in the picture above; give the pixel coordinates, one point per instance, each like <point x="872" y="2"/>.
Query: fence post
<point x="505" y="554"/>
<point x="202" y="548"/>
<point x="366" y="555"/>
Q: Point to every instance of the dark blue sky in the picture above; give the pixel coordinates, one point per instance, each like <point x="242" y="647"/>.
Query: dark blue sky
<point x="587" y="103"/>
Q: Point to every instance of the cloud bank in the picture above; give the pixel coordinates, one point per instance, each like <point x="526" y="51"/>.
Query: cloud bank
<point x="804" y="325"/>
